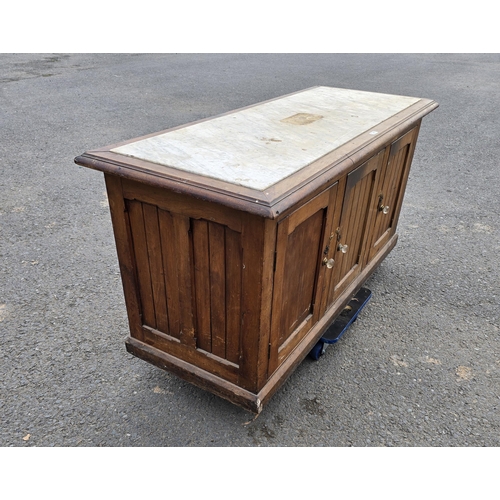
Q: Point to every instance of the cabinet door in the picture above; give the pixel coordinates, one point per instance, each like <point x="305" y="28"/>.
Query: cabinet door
<point x="349" y="237"/>
<point x="390" y="191"/>
<point x="302" y="239"/>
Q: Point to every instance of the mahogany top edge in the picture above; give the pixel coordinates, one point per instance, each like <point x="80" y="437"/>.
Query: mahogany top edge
<point x="276" y="199"/>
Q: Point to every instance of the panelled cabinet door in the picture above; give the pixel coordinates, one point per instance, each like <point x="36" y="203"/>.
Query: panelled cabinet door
<point x="348" y="238"/>
<point x="390" y="191"/>
<point x="302" y="242"/>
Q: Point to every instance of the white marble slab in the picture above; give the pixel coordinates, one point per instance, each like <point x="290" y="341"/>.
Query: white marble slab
<point x="264" y="144"/>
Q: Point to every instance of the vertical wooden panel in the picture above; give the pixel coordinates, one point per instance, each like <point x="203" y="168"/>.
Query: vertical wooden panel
<point x="363" y="202"/>
<point x="347" y="227"/>
<point x="142" y="261"/>
<point x="353" y="224"/>
<point x="300" y="271"/>
<point x="233" y="295"/>
<point x="201" y="264"/>
<point x="266" y="301"/>
<point x="352" y="236"/>
<point x="217" y="255"/>
<point x="379" y="221"/>
<point x="279" y="293"/>
<point x="410" y="139"/>
<point x="193" y="269"/>
<point x="329" y="242"/>
<point x="252" y="239"/>
<point x="394" y="172"/>
<point x="156" y="265"/>
<point x="392" y="187"/>
<point x="366" y="188"/>
<point x="125" y="251"/>
<point x="170" y="268"/>
<point x="301" y="241"/>
<point x="183" y="259"/>
<point x="333" y="274"/>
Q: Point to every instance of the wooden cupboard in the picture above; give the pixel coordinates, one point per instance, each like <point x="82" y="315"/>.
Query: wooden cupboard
<point x="240" y="238"/>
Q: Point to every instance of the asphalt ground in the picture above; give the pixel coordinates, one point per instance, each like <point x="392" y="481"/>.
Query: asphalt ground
<point x="419" y="368"/>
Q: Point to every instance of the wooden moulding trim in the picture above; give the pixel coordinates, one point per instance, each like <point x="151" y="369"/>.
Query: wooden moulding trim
<point x="355" y="152"/>
<point x="303" y="349"/>
<point x="194" y="375"/>
<point x="104" y="160"/>
<point x="272" y="202"/>
<point x="155" y="179"/>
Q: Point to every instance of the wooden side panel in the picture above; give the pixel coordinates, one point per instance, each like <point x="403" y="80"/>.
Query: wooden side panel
<point x="189" y="275"/>
<point x="126" y="257"/>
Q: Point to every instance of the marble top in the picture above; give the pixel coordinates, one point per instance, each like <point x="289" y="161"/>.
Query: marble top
<point x="262" y="145"/>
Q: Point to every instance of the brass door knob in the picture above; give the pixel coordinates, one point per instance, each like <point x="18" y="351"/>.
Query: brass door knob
<point x="384" y="209"/>
<point x="328" y="263"/>
<point x="342" y="248"/>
